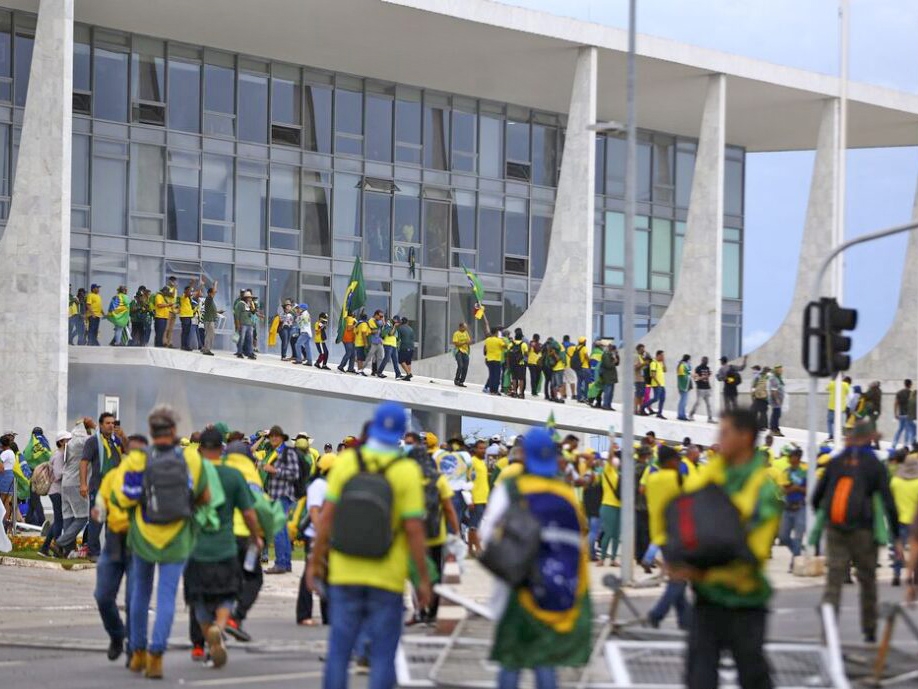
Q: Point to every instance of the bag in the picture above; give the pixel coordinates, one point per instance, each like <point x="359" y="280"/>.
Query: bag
<point x="363" y="516"/>
<point x="704" y="530"/>
<point x="42" y="478"/>
<point x="304" y="465"/>
<point x="515" y="355"/>
<point x="167" y="495"/>
<point x="733" y="377"/>
<point x="760" y="388"/>
<point x="551" y="358"/>
<point x="576" y="359"/>
<point x="514" y="547"/>
<point x="433" y="506"/>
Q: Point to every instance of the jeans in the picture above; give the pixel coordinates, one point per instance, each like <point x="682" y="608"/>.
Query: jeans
<point x="793" y="522"/>
<point x="713" y="629"/>
<point x="303" y="348"/>
<point x="141" y="577"/>
<point x="159" y="331"/>
<point x="93" y="337"/>
<point x="112" y="567"/>
<point x="209" y="334"/>
<point x="608" y="391"/>
<point x="545" y="678"/>
<point x="75" y="330"/>
<point x="611" y="530"/>
<point x="903" y="538"/>
<point x="775" y="419"/>
<point x="659" y="397"/>
<point x="673" y="597"/>
<point x="703" y="396"/>
<point x="322" y="350"/>
<point x="375" y="613"/>
<point x="584" y="378"/>
<point x="830" y="422"/>
<point x="390" y="354"/>
<point x="187" y="343"/>
<point x="244" y="345"/>
<point x="347" y="362"/>
<point x="595" y="524"/>
<point x="71" y="529"/>
<point x="284" y="334"/>
<point x="760" y="407"/>
<point x="57" y="526"/>
<point x="906" y="429"/>
<point x="462" y="367"/>
<point x="683" y="403"/>
<point x="282" y="546"/>
<point x="494" y="372"/>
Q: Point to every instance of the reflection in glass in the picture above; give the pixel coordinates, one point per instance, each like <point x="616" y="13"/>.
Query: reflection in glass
<point x="643" y="171"/>
<point x="615" y="239"/>
<point x="436" y="234"/>
<point x="600" y="169"/>
<point x="379" y="128"/>
<point x="518" y="141"/>
<point x="253" y="107"/>
<point x="641" y="259"/>
<point x="491" y="147"/>
<point x="110" y="80"/>
<point x="616" y="151"/>
<point x="148" y="70"/>
<point x="517" y="219"/>
<point x="663" y="174"/>
<point x="685" y="171"/>
<point x="251" y="202"/>
<point x="464" y="221"/>
<point x="23" y="62"/>
<point x="490" y="231"/>
<point x="346" y="198"/>
<point x="79" y="167"/>
<point x="109" y="186"/>
<point x="515" y="304"/>
<point x="408" y="131"/>
<point x="463" y="141"/>
<point x="147" y="178"/>
<point x="184" y="96"/>
<point x="544" y="155"/>
<point x="183" y="197"/>
<point x="219" y="89"/>
<point x="436" y="127"/>
<point x="661" y="234"/>
<point x="218" y="188"/>
<point x="348" y="122"/>
<point x="541" y="237"/>
<point x="405" y="301"/>
<point x="407" y="219"/>
<point x="81" y="65"/>
<point x="433" y="333"/>
<point x="318" y="119"/>
<point x="285" y="100"/>
<point x="316" y="235"/>
<point x="731" y="270"/>
<point x="285" y="183"/>
<point x="377" y="227"/>
<point x="733" y="182"/>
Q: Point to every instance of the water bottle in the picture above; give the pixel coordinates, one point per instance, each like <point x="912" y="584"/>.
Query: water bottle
<point x="251" y="558"/>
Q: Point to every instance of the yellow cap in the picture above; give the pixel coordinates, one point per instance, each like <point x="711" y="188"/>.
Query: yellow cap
<point x="433" y="442"/>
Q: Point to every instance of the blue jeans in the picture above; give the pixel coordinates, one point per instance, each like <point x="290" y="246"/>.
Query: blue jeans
<point x="792" y="522"/>
<point x="494" y="372"/>
<point x="362" y="611"/>
<point x="607" y="393"/>
<point x="390" y="355"/>
<point x="659" y="397"/>
<point x="906" y="429"/>
<point x="74" y="330"/>
<point x="544" y="678"/>
<point x="347" y="362"/>
<point x="284" y="333"/>
<point x="595" y="524"/>
<point x="830" y="422"/>
<point x="303" y="348"/>
<point x="683" y="403"/>
<point x="673" y="597"/>
<point x="159" y="331"/>
<point x="112" y="567"/>
<point x="282" y="548"/>
<point x="244" y="345"/>
<point x="903" y="538"/>
<point x="93" y="337"/>
<point x="141" y="578"/>
<point x="775" y="418"/>
<point x="584" y="378"/>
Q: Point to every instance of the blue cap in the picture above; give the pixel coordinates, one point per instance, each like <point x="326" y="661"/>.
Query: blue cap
<point x="541" y="453"/>
<point x="389" y="423"/>
<point x="305" y="307"/>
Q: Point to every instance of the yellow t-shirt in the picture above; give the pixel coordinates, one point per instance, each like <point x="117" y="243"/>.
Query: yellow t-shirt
<point x="905" y="493"/>
<point x="185" y="308"/>
<point x="73" y="308"/>
<point x="361" y="334"/>
<point x="461" y="341"/>
<point x="391" y="339"/>
<point x="318" y="333"/>
<point x="845" y="391"/>
<point x="584" y="356"/>
<point x="691" y="469"/>
<point x="446" y="494"/>
<point x="533" y="357"/>
<point x="662" y="486"/>
<point x="480" y="488"/>
<point x="494" y="348"/>
<point x="657" y="374"/>
<point x="509" y="471"/>
<point x="389" y="572"/>
<point x="560" y="365"/>
<point x="161" y="305"/>
<point x="116" y="518"/>
<point x="94" y="305"/>
<point x="609" y="486"/>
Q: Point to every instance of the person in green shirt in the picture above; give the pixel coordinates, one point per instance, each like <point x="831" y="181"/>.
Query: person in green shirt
<point x="214" y="575"/>
<point x="684" y="380"/>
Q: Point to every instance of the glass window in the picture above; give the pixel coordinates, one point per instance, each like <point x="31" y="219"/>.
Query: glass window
<point x="407" y="219"/>
<point x="464" y="221"/>
<point x="109" y="187"/>
<point x="433" y="323"/>
<point x="285" y="183"/>
<point x="515" y="304"/>
<point x="379" y="128"/>
<point x="616" y="153"/>
<point x="183" y="196"/>
<point x="220" y="98"/>
<point x="316" y="235"/>
<point x="79" y="269"/>
<point x="148" y="70"/>
<point x="463" y="141"/>
<point x="436" y="234"/>
<point x="23" y="44"/>
<point x="218" y="188"/>
<point x="405" y="300"/>
<point x="253" y="107"/>
<point x="733" y="182"/>
<point x="285" y="95"/>
<point x="408" y="131"/>
<point x="685" y="172"/>
<point x="541" y="238"/>
<point x="282" y="284"/>
<point x="184" y="96"/>
<point x="644" y="156"/>
<point x="615" y="239"/>
<point x="663" y="175"/>
<point x="110" y="79"/>
<point x="597" y="253"/>
<point x="346" y="209"/>
<point x="79" y="167"/>
<point x="462" y="309"/>
<point x="6" y="62"/>
<point x="81" y="60"/>
<point x="600" y="171"/>
<point x="517" y="219"/>
<point x="678" y="241"/>
<point x="731" y="270"/>
<point x="661" y="256"/>
<point x="436" y="133"/>
<point x="490" y="251"/>
<point x="641" y="259"/>
<point x="348" y="122"/>
<point x="147" y="183"/>
<point x="251" y="204"/>
<point x="518" y="141"/>
<point x="5" y="186"/>
<point x="491" y="158"/>
<point x="377" y="226"/>
<point x="222" y="274"/>
<point x="544" y="155"/>
<point x="318" y="119"/>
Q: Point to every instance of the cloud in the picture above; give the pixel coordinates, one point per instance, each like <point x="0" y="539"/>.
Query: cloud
<point x="755" y="339"/>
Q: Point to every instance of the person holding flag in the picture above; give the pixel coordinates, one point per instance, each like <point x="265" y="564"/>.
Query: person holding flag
<point x="354" y="298"/>
<point x="478" y="292"/>
<point x="37" y="451"/>
<point x="119" y="313"/>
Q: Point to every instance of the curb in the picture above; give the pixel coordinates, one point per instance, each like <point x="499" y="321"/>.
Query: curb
<point x="12" y="561"/>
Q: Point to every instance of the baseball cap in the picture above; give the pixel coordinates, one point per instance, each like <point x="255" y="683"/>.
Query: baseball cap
<point x="211" y="439"/>
<point x="431" y="440"/>
<point x="38" y="431"/>
<point x="389" y="423"/>
<point x="541" y="452"/>
<point x="63" y="435"/>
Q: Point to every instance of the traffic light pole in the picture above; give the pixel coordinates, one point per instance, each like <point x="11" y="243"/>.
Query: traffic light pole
<point x="811" y="449"/>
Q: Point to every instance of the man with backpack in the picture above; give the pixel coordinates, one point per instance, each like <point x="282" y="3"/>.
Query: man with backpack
<point x="371" y="525"/>
<point x="760" y="395"/>
<point x="579" y="362"/>
<point x="284" y="482"/>
<point x="729" y="375"/>
<point x="854" y="486"/>
<point x="517" y="354"/>
<point x="160" y="488"/>
<point x="554" y="361"/>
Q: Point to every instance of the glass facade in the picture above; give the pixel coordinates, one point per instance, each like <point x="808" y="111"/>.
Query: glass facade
<point x="273" y="177"/>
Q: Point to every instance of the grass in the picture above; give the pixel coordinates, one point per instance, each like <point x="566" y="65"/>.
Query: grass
<point x="33" y="555"/>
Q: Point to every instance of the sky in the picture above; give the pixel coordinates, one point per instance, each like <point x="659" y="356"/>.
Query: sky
<point x="881" y="182"/>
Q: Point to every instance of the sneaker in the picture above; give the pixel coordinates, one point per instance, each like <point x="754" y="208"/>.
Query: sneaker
<point x="207" y="353"/>
<point x="409" y="377"/>
<point x="215" y="646"/>
<point x="43" y="553"/>
<point x="197" y="654"/>
<point x="115" y="649"/>
<point x="235" y="630"/>
<point x="381" y="375"/>
<point x="278" y="570"/>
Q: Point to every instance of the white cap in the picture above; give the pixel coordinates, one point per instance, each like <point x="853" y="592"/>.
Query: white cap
<point x="62" y="435"/>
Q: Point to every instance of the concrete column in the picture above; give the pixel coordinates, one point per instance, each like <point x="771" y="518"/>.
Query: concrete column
<point x="692" y="322"/>
<point x="564" y="303"/>
<point x="441" y="424"/>
<point x="784" y="347"/>
<point x="35" y="248"/>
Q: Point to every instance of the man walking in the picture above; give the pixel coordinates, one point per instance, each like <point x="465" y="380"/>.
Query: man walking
<point x="657" y="385"/>
<point x="792" y="480"/>
<point x="282" y="471"/>
<point x="101" y="454"/>
<point x="608" y="375"/>
<point x="639" y="384"/>
<point x="830" y="393"/>
<point x="461" y="344"/>
<point x="684" y="381"/>
<point x="405" y="347"/>
<point x="904" y="409"/>
<point x="702" y="378"/>
<point x="93" y="314"/>
<point x="209" y="317"/>
<point x="776" y="398"/>
<point x="246" y="318"/>
<point x="760" y="395"/>
<point x="494" y="348"/>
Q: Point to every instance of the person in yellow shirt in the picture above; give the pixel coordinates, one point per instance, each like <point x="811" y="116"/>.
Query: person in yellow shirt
<point x="830" y="393"/>
<point x="93" y="315"/>
<point x="657" y="385"/>
<point x="494" y="348"/>
<point x="461" y="344"/>
<point x="361" y="341"/>
<point x="481" y="489"/>
<point x="162" y="310"/>
<point x="171" y="292"/>
<point x="320" y="334"/>
<point x="517" y="355"/>
<point x="578" y="357"/>
<point x="186" y="309"/>
<point x="366" y="593"/>
<point x="610" y="511"/>
<point x="904" y="488"/>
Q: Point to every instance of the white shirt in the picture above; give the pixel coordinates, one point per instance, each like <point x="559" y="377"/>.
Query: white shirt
<point x="315" y="496"/>
<point x="8" y="458"/>
<point x="498" y="503"/>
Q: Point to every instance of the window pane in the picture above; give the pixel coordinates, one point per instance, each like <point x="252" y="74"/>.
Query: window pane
<point x="515" y="304"/>
<point x="408" y="131"/>
<point x="348" y="111"/>
<point x="433" y="333"/>
<point x="544" y="155"/>
<point x="733" y="184"/>
<point x="436" y="234"/>
<point x="663" y="176"/>
<point x="318" y="119"/>
<point x="147" y="178"/>
<point x="685" y="171"/>
<point x="222" y="274"/>
<point x="677" y="257"/>
<point x="379" y="128"/>
<point x="282" y="284"/>
<point x="731" y="268"/>
<point x="600" y="171"/>
<point x="405" y="301"/>
<point x="407" y="214"/>
<point x="643" y="170"/>
<point x="23" y="61"/>
<point x="641" y="259"/>
<point x="148" y="75"/>
<point x="285" y="101"/>
<point x="491" y="159"/>
<point x="661" y="239"/>
<point x="183" y="197"/>
<point x="378" y="227"/>
<point x="285" y="185"/>
<point x="346" y="216"/>
<point x="218" y="188"/>
<point x="436" y="128"/>
<point x="518" y="141"/>
<point x="6" y="44"/>
<point x="219" y="89"/>
<point x="597" y="253"/>
<point x="184" y="96"/>
<point x="251" y="193"/>
<point x="316" y="236"/>
<point x="81" y="65"/>
<point x="79" y="166"/>
<point x="109" y="184"/>
<point x="615" y="239"/>
<point x="490" y="252"/>
<point x="541" y="237"/>
<point x="517" y="227"/>
<point x="110" y="79"/>
<point x="464" y="221"/>
<point x="616" y="152"/>
<point x="253" y="107"/>
<point x="463" y="141"/>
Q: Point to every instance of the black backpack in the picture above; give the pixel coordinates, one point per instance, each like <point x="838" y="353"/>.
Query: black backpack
<point x="433" y="506"/>
<point x="303" y="479"/>
<point x="515" y="355"/>
<point x="167" y="495"/>
<point x="512" y="552"/>
<point x="575" y="362"/>
<point x="363" y="517"/>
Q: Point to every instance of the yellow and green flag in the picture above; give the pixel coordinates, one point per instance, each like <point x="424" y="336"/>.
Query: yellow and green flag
<point x="355" y="296"/>
<point x="36" y="452"/>
<point x="550" y="425"/>
<point x="23" y="484"/>
<point x="477" y="292"/>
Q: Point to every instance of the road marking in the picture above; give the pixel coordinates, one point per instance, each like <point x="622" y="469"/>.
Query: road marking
<point x="254" y="679"/>
<point x="11" y="663"/>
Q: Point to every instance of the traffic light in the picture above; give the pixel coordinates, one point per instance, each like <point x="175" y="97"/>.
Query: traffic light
<point x="825" y="346"/>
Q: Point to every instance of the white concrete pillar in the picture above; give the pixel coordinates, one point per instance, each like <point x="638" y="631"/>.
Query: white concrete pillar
<point x="35" y="248"/>
<point x="784" y="347"/>
<point x="692" y="322"/>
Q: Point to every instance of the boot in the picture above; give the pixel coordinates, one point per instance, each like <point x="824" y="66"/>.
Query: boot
<point x="154" y="666"/>
<point x="138" y="661"/>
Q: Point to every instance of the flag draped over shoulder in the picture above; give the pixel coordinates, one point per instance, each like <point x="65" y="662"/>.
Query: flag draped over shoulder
<point x="36" y="451"/>
<point x="477" y="292"/>
<point x="23" y="483"/>
<point x="119" y="312"/>
<point x="355" y="296"/>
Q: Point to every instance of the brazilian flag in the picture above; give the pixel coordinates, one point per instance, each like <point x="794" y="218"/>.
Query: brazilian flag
<point x="23" y="481"/>
<point x="355" y="296"/>
<point x="477" y="292"/>
<point x="36" y="452"/>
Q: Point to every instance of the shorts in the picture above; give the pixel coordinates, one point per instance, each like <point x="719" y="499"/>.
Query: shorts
<point x="557" y="379"/>
<point x="570" y="377"/>
<point x="6" y="483"/>
<point x="475" y="514"/>
<point x="405" y="356"/>
<point x="361" y="353"/>
<point x="518" y="372"/>
<point x="639" y="389"/>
